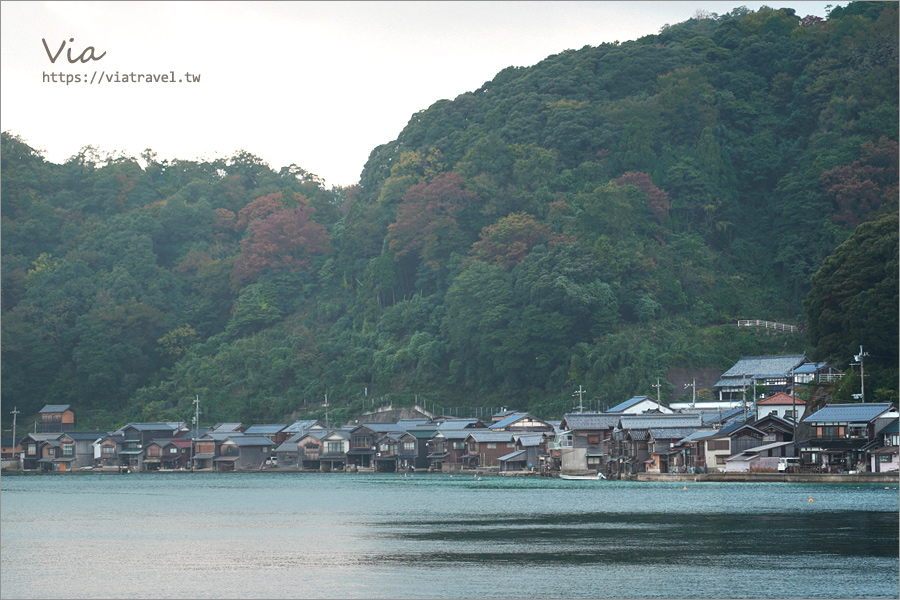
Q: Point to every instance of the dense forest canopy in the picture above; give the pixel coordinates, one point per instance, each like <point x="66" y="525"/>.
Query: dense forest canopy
<point x="598" y="219"/>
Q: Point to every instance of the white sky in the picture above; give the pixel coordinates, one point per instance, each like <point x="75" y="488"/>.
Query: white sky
<point x="317" y="84"/>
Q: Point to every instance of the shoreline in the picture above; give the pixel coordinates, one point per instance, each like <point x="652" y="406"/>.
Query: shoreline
<point x="888" y="478"/>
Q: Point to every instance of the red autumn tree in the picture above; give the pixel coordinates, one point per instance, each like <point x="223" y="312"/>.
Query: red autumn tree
<point x="509" y="240"/>
<point x="285" y="240"/>
<point x="866" y="187"/>
<point x="259" y="209"/>
<point x="428" y="220"/>
<point x="658" y="199"/>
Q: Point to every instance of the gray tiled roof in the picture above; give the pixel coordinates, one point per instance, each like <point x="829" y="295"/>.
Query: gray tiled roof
<point x="480" y="436"/>
<point x="86" y="435"/>
<point x="455" y="434"/>
<point x="530" y="440"/>
<point x="699" y="434"/>
<point x="150" y="427"/>
<point x="591" y="421"/>
<point x="226" y="427"/>
<point x="848" y="413"/>
<point x="384" y="427"/>
<point x="457" y="423"/>
<point x="648" y="421"/>
<point x="671" y="433"/>
<point x="759" y="367"/>
<point x="517" y="455"/>
<point x="407" y="423"/>
<point x="299" y="426"/>
<point x="55" y="408"/>
<point x="250" y="440"/>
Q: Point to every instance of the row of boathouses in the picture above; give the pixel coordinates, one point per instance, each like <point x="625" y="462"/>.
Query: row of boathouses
<point x="639" y="435"/>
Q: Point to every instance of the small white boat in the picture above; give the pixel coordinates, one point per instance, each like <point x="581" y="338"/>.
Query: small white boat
<point x="590" y="477"/>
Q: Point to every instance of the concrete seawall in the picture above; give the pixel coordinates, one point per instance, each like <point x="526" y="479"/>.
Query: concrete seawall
<point x="887" y="478"/>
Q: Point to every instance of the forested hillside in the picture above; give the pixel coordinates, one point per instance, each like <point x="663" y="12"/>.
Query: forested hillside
<point x="598" y="219"/>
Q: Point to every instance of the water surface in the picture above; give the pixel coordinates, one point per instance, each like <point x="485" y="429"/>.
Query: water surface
<point x="281" y="535"/>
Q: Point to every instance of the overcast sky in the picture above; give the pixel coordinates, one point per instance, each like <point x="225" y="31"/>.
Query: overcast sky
<point x="316" y="84"/>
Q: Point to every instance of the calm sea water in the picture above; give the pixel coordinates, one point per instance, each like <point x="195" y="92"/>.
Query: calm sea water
<point x="279" y="535"/>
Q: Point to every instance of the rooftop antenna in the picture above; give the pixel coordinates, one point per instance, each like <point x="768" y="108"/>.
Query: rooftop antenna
<point x="580" y="394"/>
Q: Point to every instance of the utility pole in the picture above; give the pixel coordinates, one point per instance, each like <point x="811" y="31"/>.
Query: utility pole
<point x="14" y="412"/>
<point x="195" y="432"/>
<point x="580" y="394"/>
<point x="862" y="376"/>
<point x="657" y="386"/>
<point x="693" y="386"/>
<point x="744" y="394"/>
<point x="326" y="411"/>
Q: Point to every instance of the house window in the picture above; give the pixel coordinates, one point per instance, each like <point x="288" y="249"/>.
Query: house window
<point x="32" y="449"/>
<point x="173" y="450"/>
<point x="334" y="447"/>
<point x="109" y="450"/>
<point x="510" y="444"/>
<point x="492" y="445"/>
<point x="384" y="447"/>
<point x="409" y="446"/>
<point x="68" y="449"/>
<point x="459" y="445"/>
<point x="593" y="440"/>
<point x="361" y="441"/>
<point x="831" y="432"/>
<point x="718" y="445"/>
<point x="857" y="432"/>
<point x="51" y="452"/>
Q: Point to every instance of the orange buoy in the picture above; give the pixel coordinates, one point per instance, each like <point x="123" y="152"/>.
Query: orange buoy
<point x="810" y="499"/>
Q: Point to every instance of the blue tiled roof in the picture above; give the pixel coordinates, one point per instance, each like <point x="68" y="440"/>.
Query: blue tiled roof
<point x="628" y="404"/>
<point x="55" y="408"/>
<point x="263" y="429"/>
<point x="253" y="440"/>
<point x="508" y="421"/>
<point x="809" y="367"/>
<point x="848" y="413"/>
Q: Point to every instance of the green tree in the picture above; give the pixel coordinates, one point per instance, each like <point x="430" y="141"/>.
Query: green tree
<point x="853" y="301"/>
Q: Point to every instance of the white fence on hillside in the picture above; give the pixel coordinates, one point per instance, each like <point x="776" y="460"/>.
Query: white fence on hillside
<point x="769" y="325"/>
